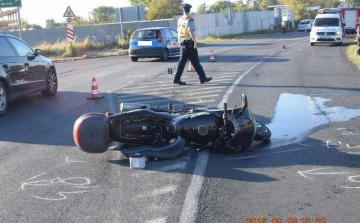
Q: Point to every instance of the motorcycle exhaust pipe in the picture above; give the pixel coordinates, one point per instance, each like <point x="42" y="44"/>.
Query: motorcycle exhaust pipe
<point x="126" y="107"/>
<point x="91" y="133"/>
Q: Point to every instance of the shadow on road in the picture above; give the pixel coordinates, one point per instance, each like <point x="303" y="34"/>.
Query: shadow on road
<point x="49" y="120"/>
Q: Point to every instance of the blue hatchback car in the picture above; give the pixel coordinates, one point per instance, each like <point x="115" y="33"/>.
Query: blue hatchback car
<point x="158" y="42"/>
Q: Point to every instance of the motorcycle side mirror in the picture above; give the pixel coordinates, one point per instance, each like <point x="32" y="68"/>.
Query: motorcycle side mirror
<point x="244" y="103"/>
<point x="225" y="118"/>
<point x="170" y="109"/>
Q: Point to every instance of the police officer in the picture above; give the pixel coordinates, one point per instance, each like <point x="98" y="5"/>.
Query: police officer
<point x="188" y="49"/>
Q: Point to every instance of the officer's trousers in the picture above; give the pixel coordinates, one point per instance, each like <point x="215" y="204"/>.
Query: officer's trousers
<point x="192" y="54"/>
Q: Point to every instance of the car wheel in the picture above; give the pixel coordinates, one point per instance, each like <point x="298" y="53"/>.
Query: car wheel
<point x="312" y="44"/>
<point x="4" y="99"/>
<point x="165" y="55"/>
<point x="51" y="84"/>
<point x="134" y="59"/>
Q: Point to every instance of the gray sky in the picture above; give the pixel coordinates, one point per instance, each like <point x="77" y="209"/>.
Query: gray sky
<point x="38" y="11"/>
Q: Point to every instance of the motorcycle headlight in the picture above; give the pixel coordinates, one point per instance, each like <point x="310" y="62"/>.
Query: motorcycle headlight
<point x="338" y="32"/>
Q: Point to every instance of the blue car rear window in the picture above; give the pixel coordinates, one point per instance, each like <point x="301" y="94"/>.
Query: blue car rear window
<point x="145" y="34"/>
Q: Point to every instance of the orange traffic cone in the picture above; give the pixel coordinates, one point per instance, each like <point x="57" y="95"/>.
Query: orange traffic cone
<point x="94" y="90"/>
<point x="191" y="68"/>
<point x="212" y="57"/>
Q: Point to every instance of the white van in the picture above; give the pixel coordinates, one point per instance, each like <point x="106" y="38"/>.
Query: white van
<point x="327" y="28"/>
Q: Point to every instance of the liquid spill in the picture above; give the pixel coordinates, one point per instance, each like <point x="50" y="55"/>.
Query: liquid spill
<point x="296" y="116"/>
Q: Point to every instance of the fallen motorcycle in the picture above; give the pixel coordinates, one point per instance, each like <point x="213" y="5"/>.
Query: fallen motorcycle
<point x="157" y="133"/>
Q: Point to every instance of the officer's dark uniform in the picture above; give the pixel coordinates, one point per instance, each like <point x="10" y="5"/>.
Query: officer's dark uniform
<point x="187" y="50"/>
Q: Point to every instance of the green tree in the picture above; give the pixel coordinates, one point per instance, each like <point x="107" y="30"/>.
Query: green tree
<point x="80" y="21"/>
<point x="201" y="9"/>
<point x="26" y="25"/>
<point x="219" y="6"/>
<point x="50" y="23"/>
<point x="263" y="4"/>
<point x="163" y="9"/>
<point x="140" y="2"/>
<point x="331" y="3"/>
<point x="103" y="14"/>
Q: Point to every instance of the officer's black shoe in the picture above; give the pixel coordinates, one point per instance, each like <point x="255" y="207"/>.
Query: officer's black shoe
<point x="179" y="82"/>
<point x="206" y="79"/>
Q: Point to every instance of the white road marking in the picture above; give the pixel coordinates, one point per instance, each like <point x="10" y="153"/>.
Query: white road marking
<point x="183" y="99"/>
<point x="352" y="147"/>
<point x="176" y="87"/>
<point x="189" y="103"/>
<point x="302" y="144"/>
<point x="167" y="83"/>
<point x="158" y="220"/>
<point x="111" y="100"/>
<point x="158" y="192"/>
<point x="73" y="161"/>
<point x="302" y="173"/>
<point x="156" y="87"/>
<point x="190" y="208"/>
<point x="176" y="166"/>
<point x="160" y="93"/>
<point x="36" y="176"/>
<point x="351" y="179"/>
<point x="62" y="194"/>
<point x="247" y="157"/>
<point x="350" y="187"/>
<point x="169" y="95"/>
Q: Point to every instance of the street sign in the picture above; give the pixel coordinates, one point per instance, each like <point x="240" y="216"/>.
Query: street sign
<point x="70" y="35"/>
<point x="10" y="3"/>
<point x="68" y="12"/>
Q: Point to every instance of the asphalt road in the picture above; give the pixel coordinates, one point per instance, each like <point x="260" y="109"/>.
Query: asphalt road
<point x="308" y="96"/>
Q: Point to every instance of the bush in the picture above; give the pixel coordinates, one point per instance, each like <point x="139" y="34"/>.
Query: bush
<point x="123" y="44"/>
<point x="70" y="50"/>
<point x="65" y="49"/>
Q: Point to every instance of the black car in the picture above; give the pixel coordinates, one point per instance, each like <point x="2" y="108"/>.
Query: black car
<point x="23" y="71"/>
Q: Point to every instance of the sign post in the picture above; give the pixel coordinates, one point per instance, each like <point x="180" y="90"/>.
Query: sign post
<point x="11" y="4"/>
<point x="69" y="14"/>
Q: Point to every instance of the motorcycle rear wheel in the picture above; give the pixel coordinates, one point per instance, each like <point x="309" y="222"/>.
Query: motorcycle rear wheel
<point x="262" y="132"/>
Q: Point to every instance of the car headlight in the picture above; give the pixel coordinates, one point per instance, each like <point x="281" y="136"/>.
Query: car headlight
<point x="338" y="32"/>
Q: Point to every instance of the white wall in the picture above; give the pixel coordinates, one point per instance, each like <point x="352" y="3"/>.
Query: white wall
<point x="219" y="24"/>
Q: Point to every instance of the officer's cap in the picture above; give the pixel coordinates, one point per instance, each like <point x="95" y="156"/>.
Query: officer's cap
<point x="186" y="6"/>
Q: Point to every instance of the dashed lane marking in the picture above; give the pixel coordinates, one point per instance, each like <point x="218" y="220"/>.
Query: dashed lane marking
<point x="169" y="95"/>
<point x="179" y="91"/>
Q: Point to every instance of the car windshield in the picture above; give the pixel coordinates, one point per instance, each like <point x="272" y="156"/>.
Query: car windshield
<point x="304" y="22"/>
<point x="327" y="22"/>
<point x="141" y="34"/>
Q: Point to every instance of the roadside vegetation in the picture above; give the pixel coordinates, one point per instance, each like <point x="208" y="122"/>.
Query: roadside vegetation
<point x="64" y="49"/>
<point x="216" y="39"/>
<point x="351" y="49"/>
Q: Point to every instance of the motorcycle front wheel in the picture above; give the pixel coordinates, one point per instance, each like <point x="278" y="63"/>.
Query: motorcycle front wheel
<point x="262" y="132"/>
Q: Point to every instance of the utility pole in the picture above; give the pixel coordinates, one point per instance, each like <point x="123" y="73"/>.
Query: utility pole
<point x="19" y="22"/>
<point x="229" y="10"/>
<point x="121" y="23"/>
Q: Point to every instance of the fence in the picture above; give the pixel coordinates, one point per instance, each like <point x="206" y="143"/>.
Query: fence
<point x="206" y="25"/>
